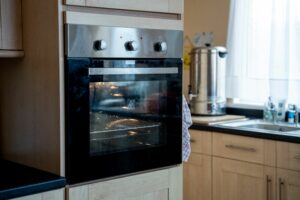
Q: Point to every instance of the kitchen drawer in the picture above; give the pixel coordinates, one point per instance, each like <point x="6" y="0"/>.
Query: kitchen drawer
<point x="244" y="148"/>
<point x="75" y="2"/>
<point x="164" y="6"/>
<point x="163" y="184"/>
<point x="201" y="141"/>
<point x="288" y="155"/>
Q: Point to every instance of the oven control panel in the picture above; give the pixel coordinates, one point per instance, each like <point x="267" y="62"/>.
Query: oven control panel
<point x="120" y="42"/>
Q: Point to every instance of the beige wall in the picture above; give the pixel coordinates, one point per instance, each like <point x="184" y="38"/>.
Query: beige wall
<point x="205" y="16"/>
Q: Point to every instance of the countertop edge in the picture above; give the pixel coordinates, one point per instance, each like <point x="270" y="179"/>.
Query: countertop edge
<point x="32" y="189"/>
<point x="248" y="133"/>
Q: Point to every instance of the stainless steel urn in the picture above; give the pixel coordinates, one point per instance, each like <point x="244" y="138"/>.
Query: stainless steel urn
<point x="207" y="81"/>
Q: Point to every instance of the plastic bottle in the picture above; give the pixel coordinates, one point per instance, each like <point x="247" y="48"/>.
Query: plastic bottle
<point x="281" y="110"/>
<point x="291" y="113"/>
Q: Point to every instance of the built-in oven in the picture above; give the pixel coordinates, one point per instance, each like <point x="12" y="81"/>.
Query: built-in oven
<point x="123" y="100"/>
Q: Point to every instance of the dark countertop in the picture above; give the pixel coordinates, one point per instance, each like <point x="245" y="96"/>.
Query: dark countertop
<point x="236" y="131"/>
<point x="18" y="180"/>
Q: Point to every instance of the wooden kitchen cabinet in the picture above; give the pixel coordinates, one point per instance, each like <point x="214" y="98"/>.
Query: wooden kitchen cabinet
<point x="237" y="180"/>
<point x="10" y="28"/>
<point x="288" y="155"/>
<point x="164" y="6"/>
<point x="288" y="186"/>
<point x="244" y="148"/>
<point x="197" y="180"/>
<point x="50" y="195"/>
<point x="197" y="177"/>
<point x="201" y="142"/>
<point x="233" y="167"/>
<point x="159" y="185"/>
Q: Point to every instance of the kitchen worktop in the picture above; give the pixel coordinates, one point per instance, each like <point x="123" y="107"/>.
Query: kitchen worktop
<point x="18" y="180"/>
<point x="250" y="133"/>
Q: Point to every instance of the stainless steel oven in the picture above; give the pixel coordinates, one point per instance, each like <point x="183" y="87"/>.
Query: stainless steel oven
<point x="123" y="100"/>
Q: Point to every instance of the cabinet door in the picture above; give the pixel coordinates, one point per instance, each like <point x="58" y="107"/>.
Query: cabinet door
<point x="143" y="5"/>
<point x="158" y="185"/>
<point x="237" y="180"/>
<point x="201" y="141"/>
<point x="288" y="185"/>
<point x="197" y="177"/>
<point x="11" y="27"/>
<point x="288" y="155"/>
<point x="176" y="6"/>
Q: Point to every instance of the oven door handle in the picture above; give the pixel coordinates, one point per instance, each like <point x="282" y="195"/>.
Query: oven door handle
<point x="133" y="71"/>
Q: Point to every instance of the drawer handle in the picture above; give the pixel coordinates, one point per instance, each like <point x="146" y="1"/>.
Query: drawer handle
<point x="192" y="141"/>
<point x="297" y="157"/>
<point x="231" y="146"/>
<point x="281" y="185"/>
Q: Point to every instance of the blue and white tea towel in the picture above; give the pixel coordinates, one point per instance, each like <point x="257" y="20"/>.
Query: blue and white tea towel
<point x="186" y="123"/>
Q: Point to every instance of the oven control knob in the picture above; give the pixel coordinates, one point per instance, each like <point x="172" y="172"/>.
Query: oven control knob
<point x="131" y="46"/>
<point x="100" y="45"/>
<point x="160" y="47"/>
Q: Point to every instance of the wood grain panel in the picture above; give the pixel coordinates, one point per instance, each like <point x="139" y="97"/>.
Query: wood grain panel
<point x="288" y="155"/>
<point x="197" y="178"/>
<point x="123" y="21"/>
<point x="235" y="180"/>
<point x="176" y="6"/>
<point x="75" y="2"/>
<point x="145" y="5"/>
<point x="244" y="148"/>
<point x="288" y="185"/>
<point x="11" y="24"/>
<point x="158" y="185"/>
<point x="29" y="92"/>
<point x="175" y="183"/>
<point x="11" y="54"/>
<point x="201" y="141"/>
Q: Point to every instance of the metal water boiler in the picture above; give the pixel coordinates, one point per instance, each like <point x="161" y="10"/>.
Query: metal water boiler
<point x="207" y="81"/>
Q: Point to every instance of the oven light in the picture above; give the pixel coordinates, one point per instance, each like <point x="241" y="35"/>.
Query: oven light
<point x="132" y="133"/>
<point x="117" y="95"/>
<point x="99" y="85"/>
<point x="113" y="87"/>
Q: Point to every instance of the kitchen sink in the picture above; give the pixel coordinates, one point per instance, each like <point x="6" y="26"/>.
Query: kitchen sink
<point x="263" y="126"/>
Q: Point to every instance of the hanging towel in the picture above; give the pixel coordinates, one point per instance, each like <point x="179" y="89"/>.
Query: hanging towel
<point x="186" y="123"/>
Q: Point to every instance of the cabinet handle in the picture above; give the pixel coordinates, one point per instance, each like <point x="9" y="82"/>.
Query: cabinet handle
<point x="192" y="141"/>
<point x="281" y="184"/>
<point x="269" y="181"/>
<point x="297" y="157"/>
<point x="231" y="146"/>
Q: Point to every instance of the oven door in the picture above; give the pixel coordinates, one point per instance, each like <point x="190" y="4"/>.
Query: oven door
<point x="123" y="116"/>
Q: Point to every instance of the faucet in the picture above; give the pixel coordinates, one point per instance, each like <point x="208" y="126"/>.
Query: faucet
<point x="274" y="115"/>
<point x="273" y="111"/>
<point x="190" y="93"/>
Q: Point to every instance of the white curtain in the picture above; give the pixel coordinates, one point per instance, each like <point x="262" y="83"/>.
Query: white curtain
<point x="263" y="50"/>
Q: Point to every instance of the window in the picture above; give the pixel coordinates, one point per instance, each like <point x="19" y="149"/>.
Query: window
<point x="264" y="51"/>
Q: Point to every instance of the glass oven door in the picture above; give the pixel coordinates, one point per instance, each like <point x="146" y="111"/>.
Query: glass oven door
<point x="123" y="116"/>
